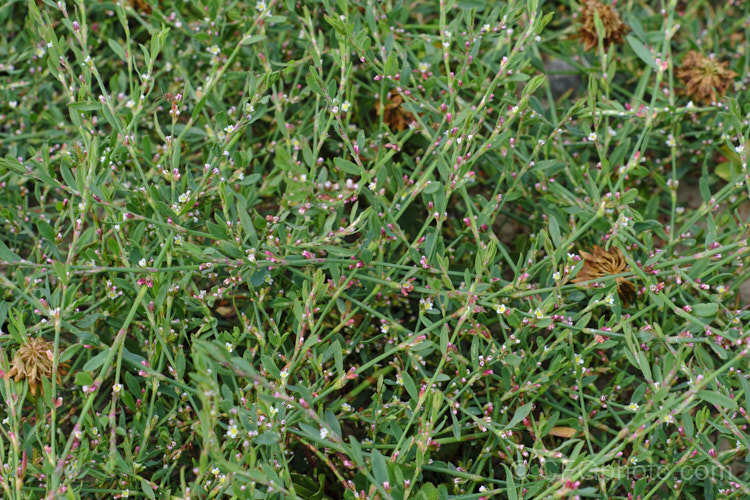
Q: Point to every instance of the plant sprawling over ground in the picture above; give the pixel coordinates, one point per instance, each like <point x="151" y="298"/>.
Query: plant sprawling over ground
<point x="374" y="249"/>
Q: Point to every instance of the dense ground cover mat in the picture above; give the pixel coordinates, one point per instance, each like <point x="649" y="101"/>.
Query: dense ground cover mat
<point x="374" y="249"/>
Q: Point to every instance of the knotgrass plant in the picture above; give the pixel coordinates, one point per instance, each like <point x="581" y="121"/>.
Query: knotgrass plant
<point x="322" y="249"/>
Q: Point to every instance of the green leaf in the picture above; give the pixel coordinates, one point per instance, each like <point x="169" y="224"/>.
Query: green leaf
<point x="554" y="231"/>
<point x="647" y="225"/>
<point x="96" y="361"/>
<point x="432" y="187"/>
<point x="85" y="106"/>
<point x="46" y="231"/>
<point x="718" y="399"/>
<point x="84" y="378"/>
<point x="705" y="310"/>
<point x="314" y="82"/>
<point x="61" y="271"/>
<point x="512" y="359"/>
<point x="644" y="365"/>
<point x="6" y="255"/>
<point x="428" y="491"/>
<point x="510" y="484"/>
<point x="118" y="49"/>
<point x="379" y="469"/>
<point x="409" y="385"/>
<point x="641" y="51"/>
<point x="704" y="189"/>
<point x="520" y="414"/>
<point x="307" y="487"/>
<point x="333" y="423"/>
<point x="147" y="489"/>
<point x="347" y="166"/>
<point x="267" y="439"/>
<point x="254" y="39"/>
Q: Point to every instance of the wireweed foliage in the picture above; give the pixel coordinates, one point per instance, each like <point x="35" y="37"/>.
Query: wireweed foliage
<point x="359" y="249"/>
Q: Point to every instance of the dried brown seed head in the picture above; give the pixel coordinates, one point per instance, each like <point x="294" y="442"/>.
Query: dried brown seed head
<point x="394" y="115"/>
<point x="32" y="361"/>
<point x="614" y="28"/>
<point x="141" y="5"/>
<point x="706" y="78"/>
<point x="601" y="263"/>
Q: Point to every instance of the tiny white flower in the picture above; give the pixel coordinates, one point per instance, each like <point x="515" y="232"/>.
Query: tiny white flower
<point x="500" y="309"/>
<point x="556" y="276"/>
<point x="146" y="76"/>
<point x="592" y="136"/>
<point x="669" y="419"/>
<point x="142" y="262"/>
<point x="232" y="431"/>
<point x="633" y="406"/>
<point x="213" y="50"/>
<point x="323" y="433"/>
<point x="578" y="359"/>
<point x="740" y="149"/>
<point x="229" y="346"/>
<point x="423" y="67"/>
<point x="538" y="313"/>
<point x="260" y="5"/>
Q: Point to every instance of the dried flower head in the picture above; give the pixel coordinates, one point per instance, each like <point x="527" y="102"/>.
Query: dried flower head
<point x="33" y="360"/>
<point x="705" y="77"/>
<point x="600" y="263"/>
<point x="141" y="5"/>
<point x="394" y="115"/>
<point x="614" y="28"/>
